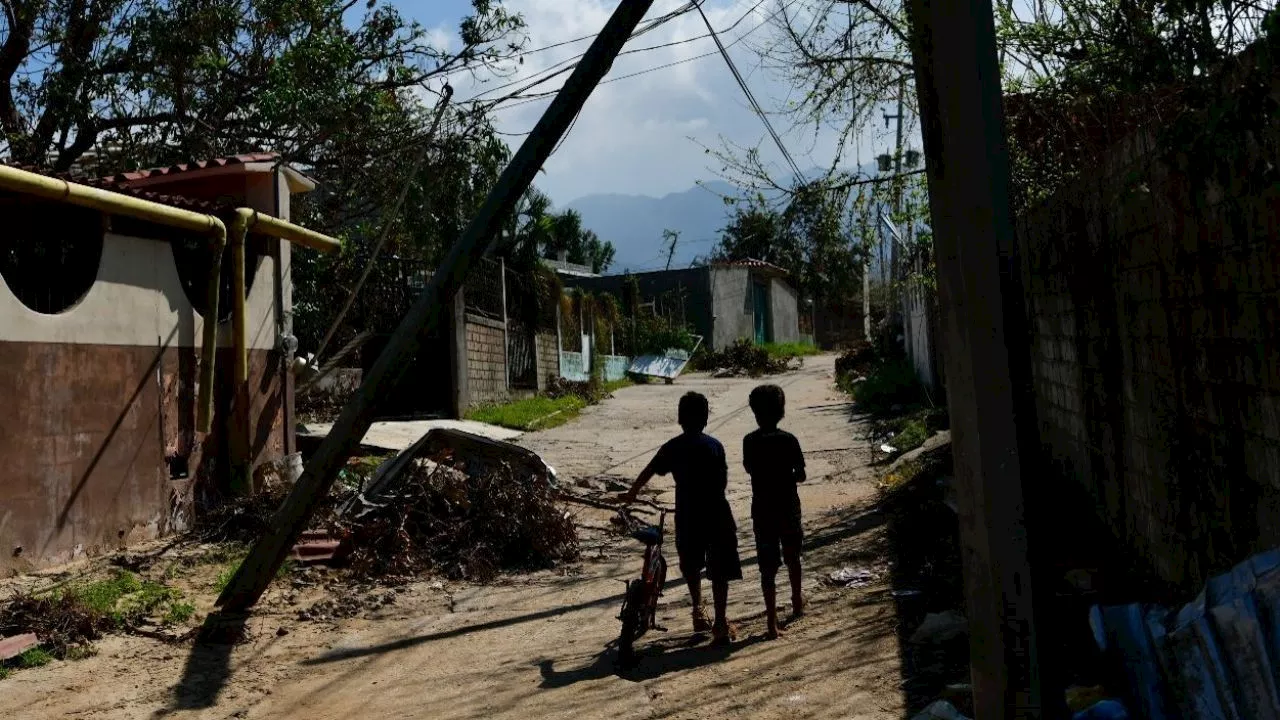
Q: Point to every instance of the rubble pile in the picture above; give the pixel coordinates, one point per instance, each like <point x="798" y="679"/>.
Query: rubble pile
<point x="743" y="357"/>
<point x="437" y="518"/>
<point x="60" y="620"/>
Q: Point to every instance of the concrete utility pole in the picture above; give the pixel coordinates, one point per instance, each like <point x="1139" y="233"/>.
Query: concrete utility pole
<point x="985" y="345"/>
<point x="269" y="552"/>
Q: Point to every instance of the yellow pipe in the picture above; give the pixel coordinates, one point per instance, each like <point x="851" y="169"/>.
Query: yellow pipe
<point x="284" y="230"/>
<point x="117" y="204"/>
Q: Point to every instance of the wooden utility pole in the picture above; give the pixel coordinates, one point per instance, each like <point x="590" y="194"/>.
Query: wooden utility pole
<point x="257" y="570"/>
<point x="984" y="342"/>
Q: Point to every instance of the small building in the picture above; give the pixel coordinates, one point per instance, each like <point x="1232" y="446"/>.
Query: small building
<point x="104" y="304"/>
<point x="723" y="302"/>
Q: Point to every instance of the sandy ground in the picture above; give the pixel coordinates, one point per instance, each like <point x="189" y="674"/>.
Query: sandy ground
<point x="535" y="645"/>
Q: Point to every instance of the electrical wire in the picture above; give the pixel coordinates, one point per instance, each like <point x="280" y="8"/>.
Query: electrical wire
<point x="751" y="99"/>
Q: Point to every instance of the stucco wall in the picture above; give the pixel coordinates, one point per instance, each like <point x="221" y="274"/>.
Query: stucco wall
<point x="102" y="407"/>
<point x="785" y="319"/>
<point x="731" y="304"/>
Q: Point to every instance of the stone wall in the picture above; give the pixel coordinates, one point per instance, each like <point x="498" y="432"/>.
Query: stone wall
<point x="1153" y="300"/>
<point x="486" y="361"/>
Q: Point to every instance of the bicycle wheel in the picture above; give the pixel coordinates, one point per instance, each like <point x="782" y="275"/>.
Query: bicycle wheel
<point x="632" y="620"/>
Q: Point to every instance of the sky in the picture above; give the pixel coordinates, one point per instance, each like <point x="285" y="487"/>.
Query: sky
<point x="645" y="134"/>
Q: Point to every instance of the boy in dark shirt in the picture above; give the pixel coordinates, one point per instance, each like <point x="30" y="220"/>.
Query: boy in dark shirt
<point x="706" y="536"/>
<point x="775" y="463"/>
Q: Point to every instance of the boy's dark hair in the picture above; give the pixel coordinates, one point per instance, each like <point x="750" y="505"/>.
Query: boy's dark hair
<point x="768" y="402"/>
<point x="694" y="411"/>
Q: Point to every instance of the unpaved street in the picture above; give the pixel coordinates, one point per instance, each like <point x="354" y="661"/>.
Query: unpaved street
<point x="534" y="646"/>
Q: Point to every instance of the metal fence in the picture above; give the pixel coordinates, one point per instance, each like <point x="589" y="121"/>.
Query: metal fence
<point x="483" y="293"/>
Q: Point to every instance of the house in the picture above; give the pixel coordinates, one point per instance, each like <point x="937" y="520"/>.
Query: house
<point x="124" y="404"/>
<point x="722" y="302"/>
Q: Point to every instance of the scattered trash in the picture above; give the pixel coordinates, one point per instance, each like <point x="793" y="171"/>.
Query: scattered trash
<point x="940" y="627"/>
<point x="852" y="577"/>
<point x="12" y="647"/>
<point x="906" y="593"/>
<point x="939" y="710"/>
<point x="888" y="449"/>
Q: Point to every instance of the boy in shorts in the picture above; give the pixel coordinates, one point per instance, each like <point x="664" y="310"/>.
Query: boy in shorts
<point x="706" y="535"/>
<point x="775" y="463"/>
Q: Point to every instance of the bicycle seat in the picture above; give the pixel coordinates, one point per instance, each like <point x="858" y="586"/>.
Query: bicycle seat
<point x="648" y="536"/>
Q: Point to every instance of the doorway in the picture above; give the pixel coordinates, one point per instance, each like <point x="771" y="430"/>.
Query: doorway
<point x="760" y="311"/>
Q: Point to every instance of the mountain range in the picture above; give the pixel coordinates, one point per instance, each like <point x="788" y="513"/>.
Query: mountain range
<point x="634" y="223"/>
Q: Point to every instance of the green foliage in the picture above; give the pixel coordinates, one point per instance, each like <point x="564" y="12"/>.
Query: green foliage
<point x="786" y="351"/>
<point x="650" y="335"/>
<point x="34" y="657"/>
<point x="532" y="413"/>
<point x="890" y="383"/>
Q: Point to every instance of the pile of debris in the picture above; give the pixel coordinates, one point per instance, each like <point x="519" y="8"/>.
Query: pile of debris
<point x="743" y="357"/>
<point x="59" y="623"/>
<point x="460" y="505"/>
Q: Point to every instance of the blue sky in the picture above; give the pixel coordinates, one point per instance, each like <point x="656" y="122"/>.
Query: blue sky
<point x="643" y="135"/>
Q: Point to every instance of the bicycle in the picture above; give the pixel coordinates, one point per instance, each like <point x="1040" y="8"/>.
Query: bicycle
<point x="640" y="603"/>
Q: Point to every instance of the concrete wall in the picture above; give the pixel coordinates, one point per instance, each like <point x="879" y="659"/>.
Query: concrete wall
<point x="486" y="361"/>
<point x="1153" y="299"/>
<point x="731" y="303"/>
<point x="920" y="331"/>
<point x="101" y="403"/>
<point x="784" y="312"/>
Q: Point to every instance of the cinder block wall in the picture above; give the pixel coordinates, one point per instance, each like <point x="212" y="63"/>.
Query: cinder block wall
<point x="486" y="361"/>
<point x="1153" y="299"/>
<point x="548" y="357"/>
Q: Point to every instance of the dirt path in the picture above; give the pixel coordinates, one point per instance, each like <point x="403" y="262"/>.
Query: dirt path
<point x="534" y="646"/>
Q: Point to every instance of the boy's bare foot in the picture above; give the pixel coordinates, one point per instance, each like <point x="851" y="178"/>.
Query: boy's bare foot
<point x="774" y="633"/>
<point x="700" y="622"/>
<point x="798" y="605"/>
<point x="724" y="634"/>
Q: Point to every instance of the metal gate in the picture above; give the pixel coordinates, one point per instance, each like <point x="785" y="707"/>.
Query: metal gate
<point x="522" y="361"/>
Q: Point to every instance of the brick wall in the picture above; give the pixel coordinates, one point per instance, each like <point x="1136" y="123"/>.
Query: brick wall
<point x="1153" y="300"/>
<point x="486" y="361"/>
<point x="548" y="357"/>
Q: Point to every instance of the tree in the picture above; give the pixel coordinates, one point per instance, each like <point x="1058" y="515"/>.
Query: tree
<point x="148" y="82"/>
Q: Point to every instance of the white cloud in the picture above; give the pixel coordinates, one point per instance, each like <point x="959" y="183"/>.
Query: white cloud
<point x="634" y="135"/>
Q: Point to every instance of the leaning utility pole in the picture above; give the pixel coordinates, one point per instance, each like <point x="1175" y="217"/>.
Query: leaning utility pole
<point x="269" y="552"/>
<point x="985" y="345"/>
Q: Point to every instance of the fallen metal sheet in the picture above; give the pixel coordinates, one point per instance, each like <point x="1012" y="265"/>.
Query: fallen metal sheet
<point x="470" y="453"/>
<point x="1213" y="658"/>
<point x="399" y="435"/>
<point x="668" y="366"/>
<point x="14" y="646"/>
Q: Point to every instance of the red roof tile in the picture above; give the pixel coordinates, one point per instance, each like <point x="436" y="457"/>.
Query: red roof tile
<point x="113" y="185"/>
<point x="243" y="159"/>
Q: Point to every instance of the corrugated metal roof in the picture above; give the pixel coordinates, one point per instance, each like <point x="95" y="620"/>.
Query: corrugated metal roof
<point x="243" y="159"/>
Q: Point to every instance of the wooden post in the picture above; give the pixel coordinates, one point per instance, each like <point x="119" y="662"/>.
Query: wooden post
<point x="264" y="559"/>
<point x="958" y="84"/>
<point x="458" y="351"/>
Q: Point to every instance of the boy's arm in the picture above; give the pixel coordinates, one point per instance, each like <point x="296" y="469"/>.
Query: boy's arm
<point x="798" y="465"/>
<point x="641" y="480"/>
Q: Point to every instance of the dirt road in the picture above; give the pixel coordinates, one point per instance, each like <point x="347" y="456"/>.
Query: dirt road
<point x="534" y="645"/>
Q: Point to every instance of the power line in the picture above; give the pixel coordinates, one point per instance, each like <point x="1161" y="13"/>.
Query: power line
<point x="751" y="98"/>
<point x="543" y="95"/>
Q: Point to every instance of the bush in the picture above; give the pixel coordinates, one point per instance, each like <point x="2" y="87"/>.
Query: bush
<point x="786" y="351"/>
<point x="890" y="383"/>
<point x="651" y="336"/>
